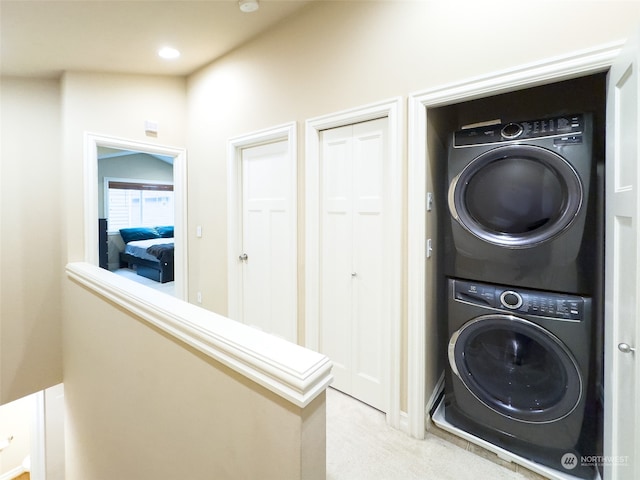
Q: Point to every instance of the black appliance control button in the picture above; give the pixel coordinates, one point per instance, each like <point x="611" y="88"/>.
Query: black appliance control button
<point x="511" y="300"/>
<point x="511" y="131"/>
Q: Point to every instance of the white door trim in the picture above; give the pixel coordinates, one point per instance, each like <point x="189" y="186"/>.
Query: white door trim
<point x="621" y="393"/>
<point x="556" y="69"/>
<point x="286" y="132"/>
<point x="38" y="450"/>
<point x="91" y="143"/>
<point x="392" y="109"/>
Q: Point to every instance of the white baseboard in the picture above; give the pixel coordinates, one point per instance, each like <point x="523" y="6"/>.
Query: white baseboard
<point x="19" y="470"/>
<point x="404" y="423"/>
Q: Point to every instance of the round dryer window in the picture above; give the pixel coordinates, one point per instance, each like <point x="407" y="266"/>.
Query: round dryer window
<point x="516" y="368"/>
<point x="516" y="196"/>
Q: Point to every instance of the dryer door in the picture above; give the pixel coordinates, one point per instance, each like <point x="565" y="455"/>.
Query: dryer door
<point x="516" y="368"/>
<point x="516" y="196"/>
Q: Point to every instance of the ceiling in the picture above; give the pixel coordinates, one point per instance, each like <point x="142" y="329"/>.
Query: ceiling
<point x="43" y="38"/>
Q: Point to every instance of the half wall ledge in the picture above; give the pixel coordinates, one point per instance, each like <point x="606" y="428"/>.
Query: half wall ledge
<point x="295" y="373"/>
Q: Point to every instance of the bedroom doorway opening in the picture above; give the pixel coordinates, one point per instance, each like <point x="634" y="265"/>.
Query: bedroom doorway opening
<point x="136" y="216"/>
<point x="136" y="226"/>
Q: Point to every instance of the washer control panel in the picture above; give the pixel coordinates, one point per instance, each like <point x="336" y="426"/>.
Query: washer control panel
<point x="567" y="127"/>
<point x="527" y="302"/>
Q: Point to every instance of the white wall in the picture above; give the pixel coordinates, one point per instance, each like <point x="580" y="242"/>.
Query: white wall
<point x="141" y="405"/>
<point x="16" y="420"/>
<point x="338" y="55"/>
<point x="331" y="56"/>
<point x="115" y="106"/>
<point x="31" y="230"/>
<point x="42" y="194"/>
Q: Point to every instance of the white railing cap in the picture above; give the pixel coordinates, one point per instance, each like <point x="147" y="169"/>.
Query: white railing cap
<point x="295" y="373"/>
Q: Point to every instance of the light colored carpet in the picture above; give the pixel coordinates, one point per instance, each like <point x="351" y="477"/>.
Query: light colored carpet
<point x="167" y="287"/>
<point x="361" y="446"/>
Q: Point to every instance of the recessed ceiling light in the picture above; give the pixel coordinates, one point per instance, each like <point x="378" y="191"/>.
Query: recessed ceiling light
<point x="248" y="6"/>
<point x="168" y="53"/>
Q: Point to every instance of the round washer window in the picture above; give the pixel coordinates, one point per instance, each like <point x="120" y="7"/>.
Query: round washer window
<point x="516" y="368"/>
<point x="516" y="196"/>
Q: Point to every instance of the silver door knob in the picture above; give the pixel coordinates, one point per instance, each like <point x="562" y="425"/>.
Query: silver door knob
<point x="625" y="348"/>
<point x="244" y="257"/>
<point x="353" y="274"/>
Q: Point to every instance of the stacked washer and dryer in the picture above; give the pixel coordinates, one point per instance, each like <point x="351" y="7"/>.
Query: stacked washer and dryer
<point x="523" y="243"/>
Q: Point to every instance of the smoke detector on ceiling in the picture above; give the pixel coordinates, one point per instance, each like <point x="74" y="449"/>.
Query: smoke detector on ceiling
<point x="248" y="6"/>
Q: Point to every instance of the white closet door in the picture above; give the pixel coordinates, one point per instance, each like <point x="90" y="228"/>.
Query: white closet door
<point x="353" y="317"/>
<point x="268" y="276"/>
<point x="622" y="310"/>
<point x="336" y="253"/>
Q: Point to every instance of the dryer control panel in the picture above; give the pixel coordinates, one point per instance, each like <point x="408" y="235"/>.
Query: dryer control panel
<point x="567" y="128"/>
<point x="527" y="302"/>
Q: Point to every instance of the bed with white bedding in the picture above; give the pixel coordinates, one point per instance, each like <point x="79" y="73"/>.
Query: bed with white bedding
<point x="149" y="251"/>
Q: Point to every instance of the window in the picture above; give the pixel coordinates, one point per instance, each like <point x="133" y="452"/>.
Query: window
<point x="138" y="204"/>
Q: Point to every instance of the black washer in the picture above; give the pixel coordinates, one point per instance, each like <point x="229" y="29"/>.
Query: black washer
<point x="519" y="373"/>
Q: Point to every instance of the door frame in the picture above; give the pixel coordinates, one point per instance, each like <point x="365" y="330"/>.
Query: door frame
<point x="285" y="132"/>
<point x="393" y="268"/>
<point x="91" y="143"/>
<point x="421" y="227"/>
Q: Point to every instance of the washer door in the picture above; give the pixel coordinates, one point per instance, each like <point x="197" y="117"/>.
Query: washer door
<point x="516" y="196"/>
<point x="516" y="368"/>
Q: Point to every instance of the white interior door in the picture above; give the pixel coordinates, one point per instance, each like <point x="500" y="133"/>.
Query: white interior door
<point x="353" y="315"/>
<point x="622" y="395"/>
<point x="267" y="257"/>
